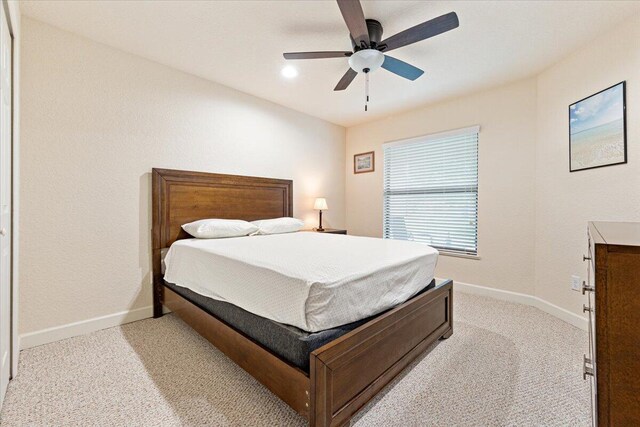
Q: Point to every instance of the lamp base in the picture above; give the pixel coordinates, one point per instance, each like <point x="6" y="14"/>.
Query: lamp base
<point x="320" y="223"/>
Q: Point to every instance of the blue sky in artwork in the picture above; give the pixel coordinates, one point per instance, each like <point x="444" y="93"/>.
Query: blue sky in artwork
<point x="596" y="110"/>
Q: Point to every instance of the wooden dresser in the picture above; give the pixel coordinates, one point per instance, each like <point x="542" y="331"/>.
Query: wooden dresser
<point x="613" y="291"/>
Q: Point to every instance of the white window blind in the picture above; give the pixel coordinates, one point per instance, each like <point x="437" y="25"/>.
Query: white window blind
<point x="431" y="190"/>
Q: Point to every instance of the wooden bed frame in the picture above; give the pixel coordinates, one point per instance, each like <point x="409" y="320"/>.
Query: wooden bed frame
<point x="345" y="373"/>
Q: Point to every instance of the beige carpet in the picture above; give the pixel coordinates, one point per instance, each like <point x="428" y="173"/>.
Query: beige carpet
<point x="505" y="364"/>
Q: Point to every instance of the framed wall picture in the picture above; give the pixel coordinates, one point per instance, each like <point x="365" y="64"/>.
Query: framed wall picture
<point x="364" y="162"/>
<point x="598" y="130"/>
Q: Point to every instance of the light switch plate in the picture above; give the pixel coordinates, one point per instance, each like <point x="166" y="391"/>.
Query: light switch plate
<point x="575" y="283"/>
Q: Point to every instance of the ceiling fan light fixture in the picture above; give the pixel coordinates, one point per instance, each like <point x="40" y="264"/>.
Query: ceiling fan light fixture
<point x="370" y="59"/>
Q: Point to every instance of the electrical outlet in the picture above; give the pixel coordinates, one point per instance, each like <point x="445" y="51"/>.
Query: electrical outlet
<point x="575" y="283"/>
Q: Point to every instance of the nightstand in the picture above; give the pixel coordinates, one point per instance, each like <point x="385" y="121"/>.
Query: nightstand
<point x="331" y="231"/>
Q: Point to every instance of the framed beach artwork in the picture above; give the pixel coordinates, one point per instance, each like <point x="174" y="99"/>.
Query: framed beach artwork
<point x="598" y="130"/>
<point x="364" y="162"/>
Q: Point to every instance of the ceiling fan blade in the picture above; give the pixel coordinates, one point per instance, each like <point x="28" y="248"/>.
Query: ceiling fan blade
<point x="354" y="18"/>
<point x="423" y="31"/>
<point x="317" y="55"/>
<point x="346" y="80"/>
<point x="401" y="68"/>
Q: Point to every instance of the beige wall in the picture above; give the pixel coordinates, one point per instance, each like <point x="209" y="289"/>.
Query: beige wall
<point x="532" y="211"/>
<point x="566" y="201"/>
<point x="506" y="206"/>
<point x="95" y="121"/>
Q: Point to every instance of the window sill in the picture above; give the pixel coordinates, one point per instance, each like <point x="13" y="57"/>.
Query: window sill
<point x="457" y="255"/>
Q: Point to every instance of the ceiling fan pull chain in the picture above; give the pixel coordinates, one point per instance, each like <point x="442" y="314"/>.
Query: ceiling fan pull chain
<point x="366" y="91"/>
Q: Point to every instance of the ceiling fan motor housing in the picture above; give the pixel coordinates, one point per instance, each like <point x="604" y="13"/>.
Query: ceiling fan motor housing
<point x="375" y="32"/>
<point x="375" y="35"/>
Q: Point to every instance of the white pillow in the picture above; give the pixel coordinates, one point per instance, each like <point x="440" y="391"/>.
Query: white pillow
<point x="219" y="228"/>
<point x="278" y="225"/>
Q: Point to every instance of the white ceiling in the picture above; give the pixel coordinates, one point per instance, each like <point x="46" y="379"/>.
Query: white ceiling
<point x="240" y="44"/>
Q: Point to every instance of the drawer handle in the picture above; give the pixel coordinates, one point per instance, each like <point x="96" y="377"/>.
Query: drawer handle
<point x="586" y="370"/>
<point x="586" y="288"/>
<point x="584" y="258"/>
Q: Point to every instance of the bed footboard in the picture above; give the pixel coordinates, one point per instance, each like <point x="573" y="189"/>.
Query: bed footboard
<point x="350" y="371"/>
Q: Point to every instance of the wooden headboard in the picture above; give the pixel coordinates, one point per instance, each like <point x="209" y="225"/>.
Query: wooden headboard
<point x="179" y="197"/>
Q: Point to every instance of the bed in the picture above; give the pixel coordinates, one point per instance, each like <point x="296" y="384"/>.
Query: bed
<point x="326" y="372"/>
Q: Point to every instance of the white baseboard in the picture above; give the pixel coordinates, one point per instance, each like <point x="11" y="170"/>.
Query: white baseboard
<point x="45" y="336"/>
<point x="559" y="312"/>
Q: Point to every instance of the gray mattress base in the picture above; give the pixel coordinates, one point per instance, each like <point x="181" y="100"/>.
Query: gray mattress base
<point x="288" y="342"/>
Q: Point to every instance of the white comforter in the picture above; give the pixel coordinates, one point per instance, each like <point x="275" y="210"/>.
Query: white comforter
<point x="313" y="281"/>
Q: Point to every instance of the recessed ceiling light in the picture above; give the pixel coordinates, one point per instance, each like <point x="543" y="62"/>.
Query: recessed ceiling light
<point x="289" y="72"/>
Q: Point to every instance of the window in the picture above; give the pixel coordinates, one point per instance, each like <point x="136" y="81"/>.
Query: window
<point x="431" y="190"/>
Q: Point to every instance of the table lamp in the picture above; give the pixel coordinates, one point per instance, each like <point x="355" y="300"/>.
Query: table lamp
<point x="320" y="205"/>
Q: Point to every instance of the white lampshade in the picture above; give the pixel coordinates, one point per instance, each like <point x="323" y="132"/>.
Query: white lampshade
<point x="366" y="58"/>
<point x="320" y="204"/>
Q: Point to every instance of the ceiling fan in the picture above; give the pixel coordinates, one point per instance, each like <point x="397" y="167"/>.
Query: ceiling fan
<point x="368" y="46"/>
